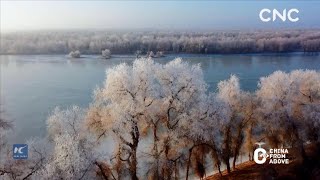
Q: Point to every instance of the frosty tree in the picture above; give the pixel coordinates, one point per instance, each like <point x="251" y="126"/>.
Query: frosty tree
<point x="5" y="127"/>
<point x="148" y="97"/>
<point x="106" y="53"/>
<point x="129" y="93"/>
<point x="73" y="156"/>
<point x="74" y="54"/>
<point x="183" y="88"/>
<point x="241" y="119"/>
<point x="289" y="102"/>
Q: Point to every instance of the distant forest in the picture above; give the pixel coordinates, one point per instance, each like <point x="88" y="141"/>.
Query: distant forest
<point x="217" y="42"/>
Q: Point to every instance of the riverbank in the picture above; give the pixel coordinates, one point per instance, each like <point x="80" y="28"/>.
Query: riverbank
<point x="132" y="54"/>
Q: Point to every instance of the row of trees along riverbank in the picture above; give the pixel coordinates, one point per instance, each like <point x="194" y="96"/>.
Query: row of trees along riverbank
<point x="121" y="42"/>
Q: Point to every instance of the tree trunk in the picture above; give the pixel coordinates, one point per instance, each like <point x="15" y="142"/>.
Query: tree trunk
<point x="226" y="149"/>
<point x="239" y="141"/>
<point x="215" y="157"/>
<point x="228" y="166"/>
<point x="176" y="171"/>
<point x="135" y="134"/>
<point x="188" y="164"/>
<point x="300" y="144"/>
<point x="133" y="165"/>
<point x="219" y="170"/>
<point x="155" y="148"/>
<point x="234" y="162"/>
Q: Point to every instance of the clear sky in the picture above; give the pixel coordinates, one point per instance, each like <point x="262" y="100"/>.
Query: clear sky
<point x="232" y="14"/>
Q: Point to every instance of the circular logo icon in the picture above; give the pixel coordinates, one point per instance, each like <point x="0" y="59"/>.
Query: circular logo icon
<point x="260" y="152"/>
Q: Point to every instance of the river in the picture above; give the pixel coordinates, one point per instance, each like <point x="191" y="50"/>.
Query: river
<point x="33" y="85"/>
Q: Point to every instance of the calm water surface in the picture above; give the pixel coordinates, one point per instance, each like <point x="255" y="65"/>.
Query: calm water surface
<point x="32" y="86"/>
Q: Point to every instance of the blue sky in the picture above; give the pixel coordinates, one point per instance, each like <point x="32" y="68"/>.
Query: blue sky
<point x="232" y="14"/>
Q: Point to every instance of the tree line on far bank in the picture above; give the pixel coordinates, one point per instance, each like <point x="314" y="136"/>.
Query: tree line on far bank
<point x="211" y="42"/>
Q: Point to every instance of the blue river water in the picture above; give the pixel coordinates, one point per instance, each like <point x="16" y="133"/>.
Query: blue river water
<point x="33" y="85"/>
